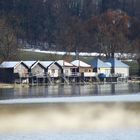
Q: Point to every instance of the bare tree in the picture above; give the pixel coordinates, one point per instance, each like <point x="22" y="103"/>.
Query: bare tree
<point x="8" y="43"/>
<point x="109" y="32"/>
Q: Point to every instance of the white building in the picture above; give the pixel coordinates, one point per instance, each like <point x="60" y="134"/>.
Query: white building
<point x="118" y="68"/>
<point x="68" y="68"/>
<point x="84" y="68"/>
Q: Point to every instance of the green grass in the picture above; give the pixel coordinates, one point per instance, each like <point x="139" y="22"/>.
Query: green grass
<point x="133" y="67"/>
<point x="25" y="55"/>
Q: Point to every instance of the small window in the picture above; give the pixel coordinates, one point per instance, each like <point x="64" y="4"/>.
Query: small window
<point x="53" y="70"/>
<point x="66" y="71"/>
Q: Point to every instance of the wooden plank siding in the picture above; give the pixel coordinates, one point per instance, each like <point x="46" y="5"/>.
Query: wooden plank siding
<point x="21" y="69"/>
<point x="38" y="70"/>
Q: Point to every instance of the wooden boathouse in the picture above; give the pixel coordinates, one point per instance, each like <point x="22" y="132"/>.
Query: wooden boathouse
<point x="11" y="71"/>
<point x="61" y="71"/>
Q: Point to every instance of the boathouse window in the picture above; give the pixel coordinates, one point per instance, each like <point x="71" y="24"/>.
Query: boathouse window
<point x="66" y="71"/>
<point x="53" y="70"/>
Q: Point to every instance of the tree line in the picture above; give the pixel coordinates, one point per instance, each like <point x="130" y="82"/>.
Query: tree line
<point x="106" y="26"/>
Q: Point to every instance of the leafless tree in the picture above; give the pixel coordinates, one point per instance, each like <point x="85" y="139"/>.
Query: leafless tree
<point x="8" y="43"/>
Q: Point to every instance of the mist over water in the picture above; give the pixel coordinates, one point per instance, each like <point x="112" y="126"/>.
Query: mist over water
<point x="68" y="116"/>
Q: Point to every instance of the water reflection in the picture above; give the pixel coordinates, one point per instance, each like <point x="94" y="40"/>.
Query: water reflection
<point x="70" y="90"/>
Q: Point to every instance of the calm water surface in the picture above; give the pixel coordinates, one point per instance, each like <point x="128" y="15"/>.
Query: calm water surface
<point x="70" y="90"/>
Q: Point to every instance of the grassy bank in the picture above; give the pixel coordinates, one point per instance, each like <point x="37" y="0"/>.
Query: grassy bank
<point x="25" y="55"/>
<point x="133" y="67"/>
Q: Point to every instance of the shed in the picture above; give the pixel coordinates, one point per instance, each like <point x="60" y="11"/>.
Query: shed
<point x="100" y="67"/>
<point x="118" y="67"/>
<point x="12" y="70"/>
<point x="37" y="69"/>
<point x="53" y="69"/>
<point x="68" y="68"/>
<point x="84" y="68"/>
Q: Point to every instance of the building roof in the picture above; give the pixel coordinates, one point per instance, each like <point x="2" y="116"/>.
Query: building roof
<point x="117" y="63"/>
<point x="63" y="63"/>
<point x="97" y="63"/>
<point x="46" y="64"/>
<point x="10" y="64"/>
<point x="79" y="63"/>
<point x="29" y="64"/>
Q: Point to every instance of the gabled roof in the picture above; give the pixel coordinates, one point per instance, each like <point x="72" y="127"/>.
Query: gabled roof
<point x="29" y="64"/>
<point x="10" y="64"/>
<point x="79" y="63"/>
<point x="36" y="63"/>
<point x="97" y="63"/>
<point x="117" y="63"/>
<point x="63" y="63"/>
<point x="46" y="64"/>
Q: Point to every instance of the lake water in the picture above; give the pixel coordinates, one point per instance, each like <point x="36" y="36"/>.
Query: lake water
<point x="70" y="90"/>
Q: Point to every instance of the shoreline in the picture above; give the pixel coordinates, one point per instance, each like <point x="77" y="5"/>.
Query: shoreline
<point x="6" y="85"/>
<point x="84" y="99"/>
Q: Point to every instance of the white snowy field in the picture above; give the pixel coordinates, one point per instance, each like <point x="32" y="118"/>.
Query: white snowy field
<point x="122" y="134"/>
<point x="114" y="98"/>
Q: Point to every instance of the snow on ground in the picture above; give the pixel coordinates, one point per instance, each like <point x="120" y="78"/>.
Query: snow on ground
<point x="61" y="53"/>
<point x="124" y="134"/>
<point x="111" y="98"/>
<point x="117" y="55"/>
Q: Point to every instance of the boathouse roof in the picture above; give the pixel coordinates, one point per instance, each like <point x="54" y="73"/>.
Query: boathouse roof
<point x="64" y="63"/>
<point x="117" y="63"/>
<point x="79" y="63"/>
<point x="97" y="63"/>
<point x="10" y="64"/>
<point x="46" y="63"/>
<point x="29" y="64"/>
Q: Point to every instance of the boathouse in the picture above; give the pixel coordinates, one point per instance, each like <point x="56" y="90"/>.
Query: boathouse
<point x="85" y="70"/>
<point x="118" y="68"/>
<point x="69" y="72"/>
<point x="11" y="71"/>
<point x="68" y="68"/>
<point x="37" y="69"/>
<point x="100" y="67"/>
<point x="52" y="68"/>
